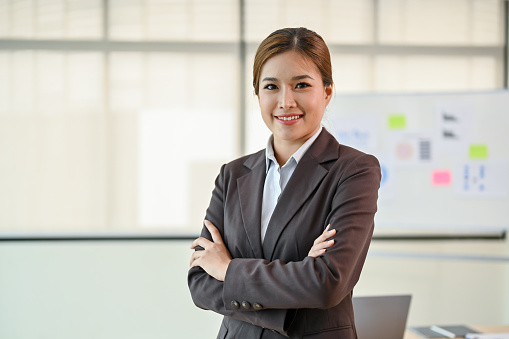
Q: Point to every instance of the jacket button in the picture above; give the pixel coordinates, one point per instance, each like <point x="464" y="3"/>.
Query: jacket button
<point x="246" y="305"/>
<point x="257" y="306"/>
<point x="235" y="304"/>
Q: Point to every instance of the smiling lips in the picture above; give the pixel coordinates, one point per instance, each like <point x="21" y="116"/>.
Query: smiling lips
<point x="288" y="118"/>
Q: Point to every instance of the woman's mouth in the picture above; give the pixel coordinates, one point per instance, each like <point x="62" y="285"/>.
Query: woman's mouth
<point x="288" y="118"/>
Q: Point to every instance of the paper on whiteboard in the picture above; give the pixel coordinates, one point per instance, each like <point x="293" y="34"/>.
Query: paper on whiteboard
<point x="410" y="149"/>
<point x="482" y="179"/>
<point x="455" y="127"/>
<point x="361" y="133"/>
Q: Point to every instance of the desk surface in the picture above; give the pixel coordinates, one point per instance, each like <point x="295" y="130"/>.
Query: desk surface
<point x="483" y="329"/>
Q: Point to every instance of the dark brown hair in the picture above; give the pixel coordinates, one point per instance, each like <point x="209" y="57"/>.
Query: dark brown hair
<point x="301" y="40"/>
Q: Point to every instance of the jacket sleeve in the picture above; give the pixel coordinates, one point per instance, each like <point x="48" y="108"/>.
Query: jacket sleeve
<point x="207" y="292"/>
<point x="321" y="282"/>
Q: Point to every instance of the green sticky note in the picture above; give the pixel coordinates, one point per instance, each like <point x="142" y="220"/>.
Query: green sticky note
<point x="478" y="151"/>
<point x="397" y="121"/>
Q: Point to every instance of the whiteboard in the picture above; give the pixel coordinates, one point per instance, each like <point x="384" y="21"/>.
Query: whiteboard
<point x="444" y="157"/>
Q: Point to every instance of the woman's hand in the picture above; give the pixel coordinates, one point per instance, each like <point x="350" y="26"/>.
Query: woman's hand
<point x="321" y="243"/>
<point x="214" y="258"/>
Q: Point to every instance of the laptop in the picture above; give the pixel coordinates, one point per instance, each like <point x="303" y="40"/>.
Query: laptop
<point x="381" y="317"/>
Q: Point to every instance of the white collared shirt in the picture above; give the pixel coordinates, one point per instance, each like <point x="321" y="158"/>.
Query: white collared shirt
<point x="277" y="178"/>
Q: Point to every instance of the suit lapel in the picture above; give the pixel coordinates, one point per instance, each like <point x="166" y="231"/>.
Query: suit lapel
<point x="308" y="174"/>
<point x="250" y="188"/>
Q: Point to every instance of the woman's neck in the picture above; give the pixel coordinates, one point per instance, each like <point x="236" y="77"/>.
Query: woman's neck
<point x="284" y="150"/>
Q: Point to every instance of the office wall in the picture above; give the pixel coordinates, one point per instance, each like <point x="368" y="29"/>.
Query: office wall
<point x="133" y="290"/>
<point x="98" y="290"/>
<point x="452" y="282"/>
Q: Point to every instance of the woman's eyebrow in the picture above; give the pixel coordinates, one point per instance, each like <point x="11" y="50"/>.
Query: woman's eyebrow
<point x="300" y="77"/>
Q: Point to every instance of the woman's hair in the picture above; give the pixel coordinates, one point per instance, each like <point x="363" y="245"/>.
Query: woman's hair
<point x="301" y="40"/>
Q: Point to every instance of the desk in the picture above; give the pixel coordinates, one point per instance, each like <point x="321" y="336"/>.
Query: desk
<point x="483" y="329"/>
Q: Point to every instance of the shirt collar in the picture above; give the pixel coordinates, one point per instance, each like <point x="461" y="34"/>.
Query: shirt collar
<point x="269" y="150"/>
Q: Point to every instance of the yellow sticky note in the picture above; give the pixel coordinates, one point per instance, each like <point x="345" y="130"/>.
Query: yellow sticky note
<point x="397" y="121"/>
<point x="478" y="151"/>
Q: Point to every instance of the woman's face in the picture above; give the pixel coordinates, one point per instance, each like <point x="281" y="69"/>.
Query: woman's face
<point x="292" y="97"/>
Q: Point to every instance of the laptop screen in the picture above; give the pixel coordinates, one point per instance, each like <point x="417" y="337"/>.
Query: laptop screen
<point x="381" y="317"/>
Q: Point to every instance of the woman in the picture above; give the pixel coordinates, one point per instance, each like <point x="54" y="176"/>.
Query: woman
<point x="288" y="228"/>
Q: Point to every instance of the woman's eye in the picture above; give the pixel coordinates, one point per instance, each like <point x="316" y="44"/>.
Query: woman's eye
<point x="302" y="85"/>
<point x="270" y="87"/>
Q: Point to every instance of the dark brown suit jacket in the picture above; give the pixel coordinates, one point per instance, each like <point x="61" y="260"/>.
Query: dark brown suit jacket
<point x="275" y="290"/>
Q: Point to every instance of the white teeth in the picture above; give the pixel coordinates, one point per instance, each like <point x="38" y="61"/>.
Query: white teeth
<point x="289" y="118"/>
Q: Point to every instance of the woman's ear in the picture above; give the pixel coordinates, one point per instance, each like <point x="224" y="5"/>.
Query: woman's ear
<point x="328" y="93"/>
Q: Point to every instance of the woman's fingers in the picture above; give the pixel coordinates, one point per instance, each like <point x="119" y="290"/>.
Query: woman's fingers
<point x="321" y="243"/>
<point x="215" y="257"/>
<point x="195" y="258"/>
<point x="201" y="241"/>
<point x="216" y="236"/>
<point x="320" y="248"/>
<point x="326" y="234"/>
<point x="204" y="242"/>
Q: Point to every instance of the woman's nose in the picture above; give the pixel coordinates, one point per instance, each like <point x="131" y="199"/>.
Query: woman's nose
<point x="286" y="99"/>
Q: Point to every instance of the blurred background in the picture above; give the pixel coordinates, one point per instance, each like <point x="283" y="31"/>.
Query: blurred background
<point x="103" y="103"/>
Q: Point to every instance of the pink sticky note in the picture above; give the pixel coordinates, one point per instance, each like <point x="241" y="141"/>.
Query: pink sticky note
<point x="441" y="178"/>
